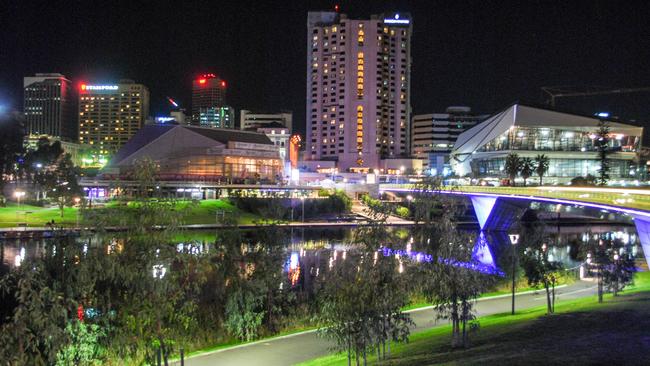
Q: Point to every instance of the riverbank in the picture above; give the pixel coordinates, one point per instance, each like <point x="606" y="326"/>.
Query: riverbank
<point x="204" y="212"/>
<point x="581" y="332"/>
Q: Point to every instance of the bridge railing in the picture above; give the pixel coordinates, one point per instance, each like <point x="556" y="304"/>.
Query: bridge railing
<point x="621" y="197"/>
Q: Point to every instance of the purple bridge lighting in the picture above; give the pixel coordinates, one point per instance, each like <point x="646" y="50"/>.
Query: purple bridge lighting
<point x="497" y="212"/>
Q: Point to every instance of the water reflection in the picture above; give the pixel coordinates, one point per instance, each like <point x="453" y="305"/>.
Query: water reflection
<point x="310" y="252"/>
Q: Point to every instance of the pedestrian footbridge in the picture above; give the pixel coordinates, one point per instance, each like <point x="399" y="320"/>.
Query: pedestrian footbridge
<point x="498" y="208"/>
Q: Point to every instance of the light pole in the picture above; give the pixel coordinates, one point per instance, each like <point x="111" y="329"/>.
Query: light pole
<point x="514" y="238"/>
<point x="76" y="201"/>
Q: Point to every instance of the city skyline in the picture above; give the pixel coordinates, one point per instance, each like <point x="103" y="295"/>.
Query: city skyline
<point x="481" y="55"/>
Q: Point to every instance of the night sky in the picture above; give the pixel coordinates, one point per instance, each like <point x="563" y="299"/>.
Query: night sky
<point x="484" y="54"/>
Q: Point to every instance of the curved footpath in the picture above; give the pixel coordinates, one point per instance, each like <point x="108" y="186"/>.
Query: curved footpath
<point x="304" y="346"/>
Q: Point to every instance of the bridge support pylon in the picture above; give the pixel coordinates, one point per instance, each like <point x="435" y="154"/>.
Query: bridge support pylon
<point x="496" y="213"/>
<point x="643" y="231"/>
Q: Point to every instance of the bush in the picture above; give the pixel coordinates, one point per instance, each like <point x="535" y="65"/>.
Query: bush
<point x="588" y="180"/>
<point x="402" y="212"/>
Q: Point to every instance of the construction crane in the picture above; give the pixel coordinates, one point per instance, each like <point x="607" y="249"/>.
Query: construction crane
<point x="567" y="91"/>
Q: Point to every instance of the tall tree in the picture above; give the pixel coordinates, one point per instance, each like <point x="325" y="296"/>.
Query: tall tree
<point x="527" y="168"/>
<point x="67" y="190"/>
<point x="602" y="145"/>
<point x="540" y="268"/>
<point x="612" y="261"/>
<point x="541" y="166"/>
<point x="512" y="167"/>
<point x="11" y="145"/>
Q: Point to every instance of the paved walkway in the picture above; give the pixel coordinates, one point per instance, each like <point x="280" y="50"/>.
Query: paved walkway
<point x="300" y="347"/>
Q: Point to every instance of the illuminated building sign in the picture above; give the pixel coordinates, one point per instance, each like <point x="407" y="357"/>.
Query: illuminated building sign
<point x="396" y="20"/>
<point x="165" y="119"/>
<point x="99" y="87"/>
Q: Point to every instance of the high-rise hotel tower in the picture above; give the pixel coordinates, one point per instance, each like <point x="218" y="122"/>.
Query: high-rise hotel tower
<point x="110" y="114"/>
<point x="358" y="89"/>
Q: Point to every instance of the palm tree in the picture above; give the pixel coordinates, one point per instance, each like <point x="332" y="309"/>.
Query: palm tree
<point x="527" y="168"/>
<point x="542" y="163"/>
<point x="513" y="166"/>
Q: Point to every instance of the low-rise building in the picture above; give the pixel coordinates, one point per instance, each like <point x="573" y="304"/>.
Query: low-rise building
<point x="199" y="154"/>
<point x="570" y="142"/>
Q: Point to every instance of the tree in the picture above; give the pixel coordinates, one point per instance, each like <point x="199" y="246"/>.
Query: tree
<point x="11" y="145"/>
<point x="527" y="168"/>
<point x="539" y="267"/>
<point x="34" y="332"/>
<point x="602" y="145"/>
<point x="541" y="166"/>
<point x="360" y="298"/>
<point x="452" y="280"/>
<point x="67" y="190"/>
<point x="512" y="167"/>
<point x="244" y="313"/>
<point x="612" y="261"/>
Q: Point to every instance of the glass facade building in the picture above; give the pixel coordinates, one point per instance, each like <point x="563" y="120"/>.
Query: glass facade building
<point x="569" y="141"/>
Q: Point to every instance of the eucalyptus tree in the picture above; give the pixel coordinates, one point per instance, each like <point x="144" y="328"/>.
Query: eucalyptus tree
<point x="612" y="261"/>
<point x="361" y="296"/>
<point x="539" y="266"/>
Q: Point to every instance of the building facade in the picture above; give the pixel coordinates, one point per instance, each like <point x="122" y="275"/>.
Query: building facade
<point x="188" y="153"/>
<point x="250" y="120"/>
<point x="217" y="117"/>
<point x="568" y="140"/>
<point x="208" y="96"/>
<point x="48" y="106"/>
<point x="434" y="135"/>
<point x="109" y="115"/>
<point x="358" y="89"/>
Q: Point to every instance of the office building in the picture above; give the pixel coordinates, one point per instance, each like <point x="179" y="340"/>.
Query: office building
<point x="279" y="136"/>
<point x="434" y="135"/>
<point x="217" y="117"/>
<point x="250" y="120"/>
<point x="189" y="153"/>
<point x="110" y="114"/>
<point x="49" y="106"/>
<point x="358" y="89"/>
<point x="208" y="95"/>
<point x="568" y="140"/>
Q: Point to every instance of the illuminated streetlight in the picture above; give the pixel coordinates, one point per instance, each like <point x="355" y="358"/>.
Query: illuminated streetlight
<point x="19" y="195"/>
<point x="514" y="239"/>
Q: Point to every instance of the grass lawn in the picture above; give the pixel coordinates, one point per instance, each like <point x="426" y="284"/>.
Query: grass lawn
<point x="13" y="214"/>
<point x="204" y="213"/>
<point x="581" y="332"/>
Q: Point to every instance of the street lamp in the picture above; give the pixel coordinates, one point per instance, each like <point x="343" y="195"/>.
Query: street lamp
<point x="76" y="201"/>
<point x="514" y="239"/>
<point x="19" y="195"/>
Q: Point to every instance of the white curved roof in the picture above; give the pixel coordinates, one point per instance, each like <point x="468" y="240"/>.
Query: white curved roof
<point x="522" y="115"/>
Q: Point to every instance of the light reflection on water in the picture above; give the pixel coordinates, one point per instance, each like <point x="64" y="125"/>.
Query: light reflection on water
<point x="309" y="252"/>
